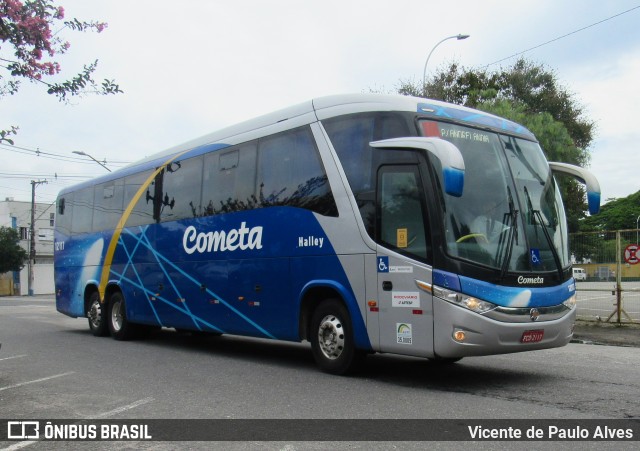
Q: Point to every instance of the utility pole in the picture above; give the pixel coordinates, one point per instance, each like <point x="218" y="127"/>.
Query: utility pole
<point x="32" y="233"/>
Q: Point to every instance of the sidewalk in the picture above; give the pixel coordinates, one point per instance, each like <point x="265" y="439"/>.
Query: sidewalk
<point x="592" y="332"/>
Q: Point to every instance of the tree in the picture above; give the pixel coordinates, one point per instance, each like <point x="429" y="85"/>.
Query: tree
<point x="30" y="31"/>
<point x="12" y="256"/>
<point x="531" y="95"/>
<point x="557" y="144"/>
<point x="617" y="214"/>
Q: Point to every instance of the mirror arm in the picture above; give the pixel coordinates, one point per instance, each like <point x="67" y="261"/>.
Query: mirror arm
<point x="584" y="176"/>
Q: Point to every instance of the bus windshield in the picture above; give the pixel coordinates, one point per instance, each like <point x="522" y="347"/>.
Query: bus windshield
<point x="510" y="216"/>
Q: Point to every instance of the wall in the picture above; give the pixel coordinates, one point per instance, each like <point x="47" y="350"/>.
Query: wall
<point x="43" y="282"/>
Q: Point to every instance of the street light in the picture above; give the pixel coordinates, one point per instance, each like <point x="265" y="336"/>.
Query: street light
<point x="459" y="37"/>
<point x="637" y="219"/>
<point x="79" y="152"/>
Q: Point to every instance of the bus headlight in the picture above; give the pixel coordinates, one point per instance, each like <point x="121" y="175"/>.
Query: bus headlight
<point x="570" y="303"/>
<point x="462" y="300"/>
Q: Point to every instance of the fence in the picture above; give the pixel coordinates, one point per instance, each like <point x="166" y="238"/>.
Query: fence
<point x="610" y="289"/>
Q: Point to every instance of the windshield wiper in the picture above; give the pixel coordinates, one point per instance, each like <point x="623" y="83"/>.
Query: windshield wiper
<point x="536" y="214"/>
<point x="513" y="236"/>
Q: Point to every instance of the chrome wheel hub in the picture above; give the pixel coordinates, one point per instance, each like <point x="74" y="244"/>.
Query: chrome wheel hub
<point x="95" y="314"/>
<point x="331" y="337"/>
<point x="116" y="316"/>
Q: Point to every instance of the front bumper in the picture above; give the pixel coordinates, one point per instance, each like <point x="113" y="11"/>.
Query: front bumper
<point x="486" y="336"/>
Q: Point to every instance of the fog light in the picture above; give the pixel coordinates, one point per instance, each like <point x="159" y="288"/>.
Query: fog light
<point x="459" y="336"/>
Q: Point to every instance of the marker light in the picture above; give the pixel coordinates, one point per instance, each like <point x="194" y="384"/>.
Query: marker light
<point x="462" y="300"/>
<point x="459" y="336"/>
<point x="425" y="286"/>
<point x="570" y="303"/>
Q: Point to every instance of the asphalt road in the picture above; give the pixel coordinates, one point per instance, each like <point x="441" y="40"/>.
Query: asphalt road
<point x="52" y="367"/>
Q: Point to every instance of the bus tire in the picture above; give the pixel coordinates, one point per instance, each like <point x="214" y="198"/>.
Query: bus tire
<point x="97" y="316"/>
<point x="121" y="329"/>
<point x="331" y="337"/>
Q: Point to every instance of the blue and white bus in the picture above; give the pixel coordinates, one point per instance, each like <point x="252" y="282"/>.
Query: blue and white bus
<point x="361" y="223"/>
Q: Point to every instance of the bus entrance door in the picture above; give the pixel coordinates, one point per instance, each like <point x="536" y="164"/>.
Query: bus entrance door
<point x="406" y="312"/>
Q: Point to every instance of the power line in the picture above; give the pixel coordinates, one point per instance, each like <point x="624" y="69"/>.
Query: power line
<point x="56" y="176"/>
<point x="563" y="36"/>
<point x="53" y="156"/>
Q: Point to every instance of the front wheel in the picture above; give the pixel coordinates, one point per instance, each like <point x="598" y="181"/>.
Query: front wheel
<point x="119" y="326"/>
<point x="332" y="340"/>
<point x="97" y="316"/>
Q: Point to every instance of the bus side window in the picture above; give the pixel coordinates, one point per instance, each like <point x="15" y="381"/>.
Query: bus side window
<point x="401" y="211"/>
<point x="65" y="214"/>
<point x="229" y="180"/>
<point x="290" y="173"/>
<point x="82" y="211"/>
<point x="181" y="190"/>
<point x="142" y="212"/>
<point x="107" y="203"/>
<point x="350" y="136"/>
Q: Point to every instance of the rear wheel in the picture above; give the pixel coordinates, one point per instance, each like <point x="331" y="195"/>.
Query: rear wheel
<point x="97" y="316"/>
<point x="119" y="326"/>
<point x="332" y="340"/>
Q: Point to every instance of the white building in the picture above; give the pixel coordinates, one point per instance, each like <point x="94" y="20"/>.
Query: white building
<point x="17" y="215"/>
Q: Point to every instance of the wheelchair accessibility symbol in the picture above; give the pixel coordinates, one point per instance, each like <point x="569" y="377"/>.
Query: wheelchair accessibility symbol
<point x="535" y="257"/>
<point x="383" y="264"/>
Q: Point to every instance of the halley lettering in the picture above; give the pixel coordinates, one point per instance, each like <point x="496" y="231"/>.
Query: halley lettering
<point x="310" y="241"/>
<point x="219" y="240"/>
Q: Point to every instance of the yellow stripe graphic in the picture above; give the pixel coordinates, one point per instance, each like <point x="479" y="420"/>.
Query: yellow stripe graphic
<point x="111" y="250"/>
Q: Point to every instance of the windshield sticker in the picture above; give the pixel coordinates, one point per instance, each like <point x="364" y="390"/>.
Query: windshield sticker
<point x="535" y="257"/>
<point x="401" y="235"/>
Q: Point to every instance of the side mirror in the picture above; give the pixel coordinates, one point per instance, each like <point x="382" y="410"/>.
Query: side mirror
<point x="586" y="177"/>
<point x="449" y="155"/>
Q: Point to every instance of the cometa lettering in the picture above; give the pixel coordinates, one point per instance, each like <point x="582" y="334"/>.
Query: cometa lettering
<point x="242" y="238"/>
<point x="531" y="280"/>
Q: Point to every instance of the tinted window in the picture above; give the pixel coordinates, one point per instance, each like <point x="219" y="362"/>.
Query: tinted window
<point x="82" y="211"/>
<point x="107" y="210"/>
<point x="290" y="173"/>
<point x="350" y="136"/>
<point x="178" y="189"/>
<point x="143" y="211"/>
<point x="401" y="211"/>
<point x="65" y="213"/>
<point x="280" y="170"/>
<point x="229" y="181"/>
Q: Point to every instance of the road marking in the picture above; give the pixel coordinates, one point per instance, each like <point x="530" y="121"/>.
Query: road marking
<point x="14" y="357"/>
<point x="19" y="445"/>
<point x="35" y="381"/>
<point x="122" y="409"/>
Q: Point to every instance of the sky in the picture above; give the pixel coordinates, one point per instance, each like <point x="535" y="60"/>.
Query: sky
<point x="189" y="68"/>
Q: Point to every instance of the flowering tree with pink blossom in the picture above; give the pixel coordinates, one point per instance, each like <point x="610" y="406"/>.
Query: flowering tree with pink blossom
<point x="29" y="42"/>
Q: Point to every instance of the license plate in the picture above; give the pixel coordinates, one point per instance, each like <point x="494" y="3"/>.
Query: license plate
<point x="532" y="336"/>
